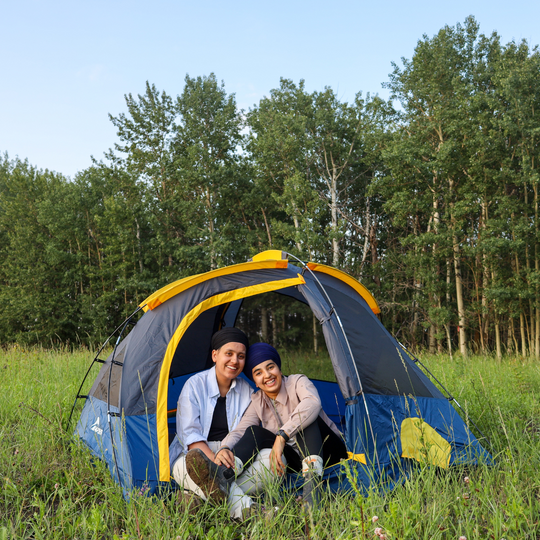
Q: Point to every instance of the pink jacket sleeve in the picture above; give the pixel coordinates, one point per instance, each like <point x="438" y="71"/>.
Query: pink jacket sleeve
<point x="307" y="411"/>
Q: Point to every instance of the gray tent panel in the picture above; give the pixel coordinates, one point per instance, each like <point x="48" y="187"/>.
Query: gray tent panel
<point x="100" y="388"/>
<point x="336" y="343"/>
<point x="379" y="371"/>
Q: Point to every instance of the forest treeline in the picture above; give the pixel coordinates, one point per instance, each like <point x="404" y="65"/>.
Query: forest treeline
<point x="430" y="199"/>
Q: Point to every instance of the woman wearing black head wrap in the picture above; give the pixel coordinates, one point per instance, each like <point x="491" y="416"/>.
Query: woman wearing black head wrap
<point x="210" y="405"/>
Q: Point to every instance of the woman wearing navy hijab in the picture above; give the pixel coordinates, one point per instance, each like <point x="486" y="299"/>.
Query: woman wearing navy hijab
<point x="285" y="416"/>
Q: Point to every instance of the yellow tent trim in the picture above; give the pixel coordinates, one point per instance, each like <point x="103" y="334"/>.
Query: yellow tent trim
<point x="224" y="298"/>
<point x="274" y="254"/>
<point x="361" y="458"/>
<point x="270" y="255"/>
<point x="167" y="292"/>
<point x="349" y="280"/>
<point x="421" y="442"/>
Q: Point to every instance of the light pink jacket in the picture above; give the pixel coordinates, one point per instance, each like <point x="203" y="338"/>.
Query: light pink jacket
<point x="297" y="405"/>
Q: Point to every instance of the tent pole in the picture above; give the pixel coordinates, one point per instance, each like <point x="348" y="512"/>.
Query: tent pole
<point x="96" y="359"/>
<point x="334" y="311"/>
<point x="122" y="327"/>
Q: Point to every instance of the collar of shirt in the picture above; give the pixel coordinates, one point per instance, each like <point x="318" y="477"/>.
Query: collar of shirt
<point x="282" y="396"/>
<point x="212" y="384"/>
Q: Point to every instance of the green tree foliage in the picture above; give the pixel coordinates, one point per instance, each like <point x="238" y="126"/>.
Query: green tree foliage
<point x="314" y="158"/>
<point x="452" y="193"/>
<point x="281" y="149"/>
<point x="208" y="160"/>
<point x="433" y="204"/>
<point x="184" y="155"/>
<point x="429" y="158"/>
<point x="39" y="276"/>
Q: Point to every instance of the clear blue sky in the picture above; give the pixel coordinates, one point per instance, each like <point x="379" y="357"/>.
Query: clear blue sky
<point x="66" y="65"/>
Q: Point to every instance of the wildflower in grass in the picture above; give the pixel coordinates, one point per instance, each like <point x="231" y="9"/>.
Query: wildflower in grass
<point x="378" y="531"/>
<point x="466" y="479"/>
<point x="374" y="519"/>
<point x="462" y="538"/>
<point x="56" y="486"/>
<point x="144" y="489"/>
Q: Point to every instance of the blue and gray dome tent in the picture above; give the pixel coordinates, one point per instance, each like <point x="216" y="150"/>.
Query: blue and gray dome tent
<point x="391" y="413"/>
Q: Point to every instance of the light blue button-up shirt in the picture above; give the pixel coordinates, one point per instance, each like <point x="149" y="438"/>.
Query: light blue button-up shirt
<point x="196" y="406"/>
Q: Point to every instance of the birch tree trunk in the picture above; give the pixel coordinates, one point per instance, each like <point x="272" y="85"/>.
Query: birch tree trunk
<point x="498" y="338"/>
<point x="334" y="213"/>
<point x="433" y="329"/>
<point x="462" y="333"/>
<point x="528" y="273"/>
<point x="209" y="205"/>
<point x="485" y="311"/>
<point x="296" y="227"/>
<point x="367" y="237"/>
<point x="459" y="299"/>
<point x="523" y="338"/>
<point x="497" y="330"/>
<point x="264" y="324"/>
<point x="315" y="340"/>
<point x="447" y="325"/>
<point x="521" y="316"/>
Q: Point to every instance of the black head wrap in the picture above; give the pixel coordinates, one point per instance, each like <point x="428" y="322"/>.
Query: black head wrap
<point x="229" y="335"/>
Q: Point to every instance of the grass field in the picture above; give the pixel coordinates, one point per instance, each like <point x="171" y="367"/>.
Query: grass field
<point x="51" y="490"/>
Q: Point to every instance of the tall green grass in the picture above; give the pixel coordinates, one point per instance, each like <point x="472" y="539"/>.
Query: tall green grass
<point x="51" y="489"/>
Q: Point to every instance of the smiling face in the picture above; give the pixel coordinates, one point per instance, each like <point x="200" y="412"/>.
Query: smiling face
<point x="267" y="376"/>
<point x="229" y="360"/>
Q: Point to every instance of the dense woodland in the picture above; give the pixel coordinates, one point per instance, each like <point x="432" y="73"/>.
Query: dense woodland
<point x="429" y="199"/>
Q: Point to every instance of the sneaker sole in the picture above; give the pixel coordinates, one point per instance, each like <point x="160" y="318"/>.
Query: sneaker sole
<point x="198" y="470"/>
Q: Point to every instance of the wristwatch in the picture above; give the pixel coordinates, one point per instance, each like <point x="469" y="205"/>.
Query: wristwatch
<point x="283" y="434"/>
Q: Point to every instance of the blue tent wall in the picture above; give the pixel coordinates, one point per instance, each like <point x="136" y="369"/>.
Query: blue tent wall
<point x="386" y="415"/>
<point x="94" y="430"/>
<point x="142" y="442"/>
